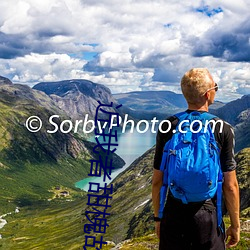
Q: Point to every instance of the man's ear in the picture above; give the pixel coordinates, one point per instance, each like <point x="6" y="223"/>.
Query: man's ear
<point x="207" y="95"/>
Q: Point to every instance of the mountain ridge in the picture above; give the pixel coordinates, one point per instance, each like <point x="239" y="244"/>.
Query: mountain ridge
<point x="77" y="97"/>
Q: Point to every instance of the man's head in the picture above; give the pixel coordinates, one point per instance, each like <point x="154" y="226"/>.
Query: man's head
<point x="197" y="86"/>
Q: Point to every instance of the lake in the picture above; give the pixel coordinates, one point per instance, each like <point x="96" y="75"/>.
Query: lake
<point x="131" y="146"/>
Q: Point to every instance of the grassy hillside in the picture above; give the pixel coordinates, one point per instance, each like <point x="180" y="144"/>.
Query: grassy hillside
<point x="54" y="225"/>
<point x="59" y="224"/>
<point x="32" y="163"/>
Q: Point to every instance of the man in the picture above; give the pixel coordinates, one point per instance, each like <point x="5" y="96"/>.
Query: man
<point x="194" y="225"/>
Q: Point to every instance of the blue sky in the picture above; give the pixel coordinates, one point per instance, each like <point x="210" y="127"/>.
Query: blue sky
<point x="126" y="45"/>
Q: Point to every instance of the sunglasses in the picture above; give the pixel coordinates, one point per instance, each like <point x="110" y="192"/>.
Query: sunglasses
<point x="216" y="87"/>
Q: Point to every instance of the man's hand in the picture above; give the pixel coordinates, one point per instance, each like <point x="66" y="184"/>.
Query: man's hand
<point x="232" y="236"/>
<point x="157" y="228"/>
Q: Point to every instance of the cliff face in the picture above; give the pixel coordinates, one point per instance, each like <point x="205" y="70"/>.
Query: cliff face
<point x="77" y="97"/>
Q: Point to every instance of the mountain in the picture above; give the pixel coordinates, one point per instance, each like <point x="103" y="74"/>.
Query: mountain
<point x="153" y="103"/>
<point x="237" y="114"/>
<point x="31" y="164"/>
<point x="4" y="80"/>
<point x="242" y="130"/>
<point x="77" y="97"/>
<point x="232" y="110"/>
<point x="160" y="104"/>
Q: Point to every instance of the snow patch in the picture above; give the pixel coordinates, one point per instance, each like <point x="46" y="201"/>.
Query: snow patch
<point x="141" y="187"/>
<point x="143" y="203"/>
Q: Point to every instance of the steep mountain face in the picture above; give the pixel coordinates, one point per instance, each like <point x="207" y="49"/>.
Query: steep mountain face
<point x="77" y="97"/>
<point x="32" y="163"/>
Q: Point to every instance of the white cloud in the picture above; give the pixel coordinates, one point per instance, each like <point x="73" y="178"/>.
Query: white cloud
<point x="141" y="44"/>
<point x="34" y="68"/>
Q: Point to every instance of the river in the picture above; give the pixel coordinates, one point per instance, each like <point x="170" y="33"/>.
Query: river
<point x="131" y="146"/>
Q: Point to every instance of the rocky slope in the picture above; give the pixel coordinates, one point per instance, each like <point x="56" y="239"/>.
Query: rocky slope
<point x="78" y="97"/>
<point x="18" y="102"/>
<point x="131" y="205"/>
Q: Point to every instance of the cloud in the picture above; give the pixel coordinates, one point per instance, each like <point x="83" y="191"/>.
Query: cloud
<point x="140" y="45"/>
<point x="231" y="45"/>
<point x="34" y="68"/>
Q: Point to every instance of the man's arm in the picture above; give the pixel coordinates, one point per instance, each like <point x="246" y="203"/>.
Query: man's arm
<point x="231" y="195"/>
<point x="156" y="187"/>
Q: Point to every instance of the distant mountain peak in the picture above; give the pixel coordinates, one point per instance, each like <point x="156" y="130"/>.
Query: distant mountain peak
<point x="4" y="80"/>
<point x="77" y="97"/>
<point x="62" y="88"/>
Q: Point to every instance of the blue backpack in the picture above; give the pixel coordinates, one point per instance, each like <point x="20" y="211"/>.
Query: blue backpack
<point x="191" y="162"/>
